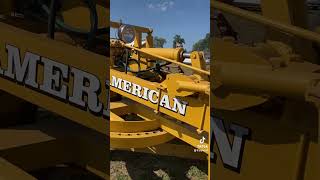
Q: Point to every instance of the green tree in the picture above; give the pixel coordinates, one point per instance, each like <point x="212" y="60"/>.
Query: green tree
<point x="158" y="42"/>
<point x="202" y="44"/>
<point x="177" y="39"/>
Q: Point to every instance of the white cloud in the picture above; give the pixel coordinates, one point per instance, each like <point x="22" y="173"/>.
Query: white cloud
<point x="162" y="5"/>
<point x="151" y="6"/>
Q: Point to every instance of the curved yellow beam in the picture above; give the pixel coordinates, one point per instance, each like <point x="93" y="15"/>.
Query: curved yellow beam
<point x="139" y="140"/>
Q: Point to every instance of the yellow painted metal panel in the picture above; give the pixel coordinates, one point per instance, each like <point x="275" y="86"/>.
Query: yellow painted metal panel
<point x="62" y="53"/>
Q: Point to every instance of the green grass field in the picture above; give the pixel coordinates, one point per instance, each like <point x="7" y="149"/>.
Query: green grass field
<point x="140" y="166"/>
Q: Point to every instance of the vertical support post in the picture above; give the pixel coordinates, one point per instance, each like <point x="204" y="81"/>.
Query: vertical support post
<point x="137" y="39"/>
<point x="149" y="44"/>
<point x="149" y="41"/>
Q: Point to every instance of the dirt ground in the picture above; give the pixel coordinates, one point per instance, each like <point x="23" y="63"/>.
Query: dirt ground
<point x="126" y="165"/>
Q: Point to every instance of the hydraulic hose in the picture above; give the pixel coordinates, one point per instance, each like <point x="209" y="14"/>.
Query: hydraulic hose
<point x="52" y="19"/>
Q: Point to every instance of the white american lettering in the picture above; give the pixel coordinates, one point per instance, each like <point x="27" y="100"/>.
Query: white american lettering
<point x="150" y="95"/>
<point x="55" y="79"/>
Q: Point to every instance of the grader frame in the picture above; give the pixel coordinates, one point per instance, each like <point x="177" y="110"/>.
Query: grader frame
<point x="266" y="96"/>
<point x="174" y="106"/>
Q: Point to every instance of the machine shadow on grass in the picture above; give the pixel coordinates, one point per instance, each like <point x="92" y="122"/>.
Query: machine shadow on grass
<point x="138" y="166"/>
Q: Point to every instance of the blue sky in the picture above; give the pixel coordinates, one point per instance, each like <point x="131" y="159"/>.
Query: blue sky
<point x="189" y="18"/>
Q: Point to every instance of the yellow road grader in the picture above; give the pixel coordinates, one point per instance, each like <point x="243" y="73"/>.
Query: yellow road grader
<point x="53" y="57"/>
<point x="152" y="102"/>
<point x="265" y="102"/>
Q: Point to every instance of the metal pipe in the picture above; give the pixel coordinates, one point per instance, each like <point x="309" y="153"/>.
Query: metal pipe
<point x="261" y="78"/>
<point x="193" y="87"/>
<point x="52" y="19"/>
<point x="186" y="55"/>
<point x="168" y="60"/>
<point x="170" y="53"/>
<point x="300" y="32"/>
<point x="137" y="28"/>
